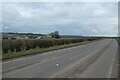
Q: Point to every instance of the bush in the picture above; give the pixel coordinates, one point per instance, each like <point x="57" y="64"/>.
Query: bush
<point x="20" y="45"/>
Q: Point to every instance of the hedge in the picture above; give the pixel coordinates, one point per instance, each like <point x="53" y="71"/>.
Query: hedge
<point x="26" y="44"/>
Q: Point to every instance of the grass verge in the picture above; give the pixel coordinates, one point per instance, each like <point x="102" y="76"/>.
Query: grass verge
<point x="39" y="50"/>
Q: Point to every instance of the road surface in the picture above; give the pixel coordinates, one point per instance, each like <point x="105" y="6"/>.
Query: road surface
<point x="97" y="59"/>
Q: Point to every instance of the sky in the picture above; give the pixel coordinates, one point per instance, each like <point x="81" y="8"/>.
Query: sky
<point x="69" y="18"/>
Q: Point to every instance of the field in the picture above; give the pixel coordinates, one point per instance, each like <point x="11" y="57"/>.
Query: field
<point x="16" y="48"/>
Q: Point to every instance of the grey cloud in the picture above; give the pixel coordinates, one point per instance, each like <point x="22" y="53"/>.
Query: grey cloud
<point x="96" y="18"/>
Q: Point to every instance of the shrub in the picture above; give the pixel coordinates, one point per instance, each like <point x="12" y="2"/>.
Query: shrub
<point x="19" y="45"/>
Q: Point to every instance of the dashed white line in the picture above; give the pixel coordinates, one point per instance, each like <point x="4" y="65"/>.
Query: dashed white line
<point x="77" y="56"/>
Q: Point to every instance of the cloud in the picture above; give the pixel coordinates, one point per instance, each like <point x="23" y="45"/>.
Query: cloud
<point x="81" y="18"/>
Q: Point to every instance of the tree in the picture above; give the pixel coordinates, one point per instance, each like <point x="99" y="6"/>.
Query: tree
<point x="55" y="34"/>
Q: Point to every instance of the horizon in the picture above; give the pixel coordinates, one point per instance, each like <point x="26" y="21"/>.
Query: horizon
<point x="63" y="34"/>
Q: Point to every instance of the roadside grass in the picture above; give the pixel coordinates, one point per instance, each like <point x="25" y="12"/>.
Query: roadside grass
<point x="0" y="54"/>
<point x="39" y="50"/>
<point x="118" y="39"/>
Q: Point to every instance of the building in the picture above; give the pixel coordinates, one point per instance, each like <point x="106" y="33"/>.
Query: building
<point x="23" y="36"/>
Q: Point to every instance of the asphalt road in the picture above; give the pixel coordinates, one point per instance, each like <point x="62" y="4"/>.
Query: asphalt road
<point x="97" y="59"/>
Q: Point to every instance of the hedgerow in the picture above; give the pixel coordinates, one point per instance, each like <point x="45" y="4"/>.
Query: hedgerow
<point x="27" y="44"/>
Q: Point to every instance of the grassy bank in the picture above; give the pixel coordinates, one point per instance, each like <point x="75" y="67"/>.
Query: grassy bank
<point x="118" y="39"/>
<point x="39" y="50"/>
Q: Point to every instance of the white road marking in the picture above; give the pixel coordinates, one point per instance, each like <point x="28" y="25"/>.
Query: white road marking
<point x="77" y="56"/>
<point x="14" y="60"/>
<point x="69" y="77"/>
<point x="111" y="66"/>
<point x="37" y="55"/>
<point x="73" y="57"/>
<point x="57" y="64"/>
<point x="118" y="64"/>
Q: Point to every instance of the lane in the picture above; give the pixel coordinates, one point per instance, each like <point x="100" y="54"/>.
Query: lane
<point x="62" y="60"/>
<point x="102" y="67"/>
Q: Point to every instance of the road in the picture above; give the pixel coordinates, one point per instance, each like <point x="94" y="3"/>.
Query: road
<point x="98" y="59"/>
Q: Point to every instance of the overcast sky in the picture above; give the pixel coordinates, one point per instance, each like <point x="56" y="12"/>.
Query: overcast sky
<point x="81" y="18"/>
